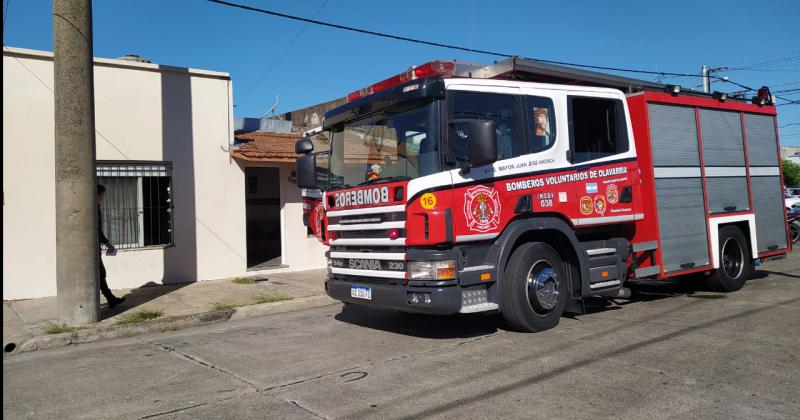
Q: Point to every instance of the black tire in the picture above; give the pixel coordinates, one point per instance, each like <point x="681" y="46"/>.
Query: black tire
<point x="794" y="230"/>
<point x="735" y="265"/>
<point x="531" y="265"/>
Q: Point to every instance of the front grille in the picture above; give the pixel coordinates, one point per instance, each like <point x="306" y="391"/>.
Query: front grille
<point x="350" y="234"/>
<point x="362" y="250"/>
<point x="368" y="218"/>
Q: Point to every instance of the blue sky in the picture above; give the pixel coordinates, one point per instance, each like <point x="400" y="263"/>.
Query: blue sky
<point x="324" y="63"/>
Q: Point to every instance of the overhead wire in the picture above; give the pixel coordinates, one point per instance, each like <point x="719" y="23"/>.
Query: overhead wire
<point x="438" y="44"/>
<point x="756" y="59"/>
<point x="280" y="56"/>
<point x="480" y="51"/>
<point x="5" y="19"/>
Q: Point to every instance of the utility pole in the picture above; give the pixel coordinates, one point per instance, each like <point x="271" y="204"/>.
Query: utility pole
<point x="706" y="79"/>
<point x="705" y="74"/>
<point x="76" y="218"/>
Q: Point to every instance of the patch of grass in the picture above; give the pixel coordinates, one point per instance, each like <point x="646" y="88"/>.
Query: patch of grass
<point x="54" y="328"/>
<point x="139" y="316"/>
<point x="221" y="306"/>
<point x="267" y="298"/>
<point x="243" y="280"/>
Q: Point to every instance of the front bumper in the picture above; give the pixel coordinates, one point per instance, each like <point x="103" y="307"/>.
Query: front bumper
<point x="444" y="300"/>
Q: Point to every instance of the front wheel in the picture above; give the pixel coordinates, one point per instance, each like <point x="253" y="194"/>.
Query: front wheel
<point x="735" y="265"/>
<point x="534" y="289"/>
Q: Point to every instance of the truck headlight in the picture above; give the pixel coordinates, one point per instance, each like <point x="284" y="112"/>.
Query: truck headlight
<point x="432" y="270"/>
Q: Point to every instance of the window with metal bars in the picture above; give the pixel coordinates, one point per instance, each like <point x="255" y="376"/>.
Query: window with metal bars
<point x="137" y="205"/>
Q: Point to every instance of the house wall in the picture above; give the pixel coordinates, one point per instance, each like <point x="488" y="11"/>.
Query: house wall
<point x="143" y="112"/>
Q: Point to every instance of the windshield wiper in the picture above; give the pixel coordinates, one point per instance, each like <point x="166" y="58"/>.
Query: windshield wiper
<point x="385" y="180"/>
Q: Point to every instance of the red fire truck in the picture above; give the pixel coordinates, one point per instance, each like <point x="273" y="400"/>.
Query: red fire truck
<point x="524" y="187"/>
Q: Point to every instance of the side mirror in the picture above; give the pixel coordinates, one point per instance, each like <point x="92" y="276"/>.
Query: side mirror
<point x="481" y="140"/>
<point x="303" y="146"/>
<point x="307" y="171"/>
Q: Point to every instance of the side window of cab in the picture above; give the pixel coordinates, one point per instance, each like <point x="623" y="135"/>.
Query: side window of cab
<point x="500" y="108"/>
<point x="597" y="128"/>
<point x="541" y="123"/>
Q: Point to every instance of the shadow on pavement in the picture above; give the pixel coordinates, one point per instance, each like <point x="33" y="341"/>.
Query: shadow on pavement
<point x="420" y="325"/>
<point x="777" y="273"/>
<point x="466" y="326"/>
<point x="138" y="297"/>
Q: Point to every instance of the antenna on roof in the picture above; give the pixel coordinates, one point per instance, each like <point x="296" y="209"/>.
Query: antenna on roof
<point x="272" y="108"/>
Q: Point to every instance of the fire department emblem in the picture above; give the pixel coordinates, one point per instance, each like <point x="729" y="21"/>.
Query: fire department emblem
<point x="612" y="194"/>
<point x="482" y="208"/>
<point x="586" y="205"/>
<point x="600" y="204"/>
<point x="317" y="215"/>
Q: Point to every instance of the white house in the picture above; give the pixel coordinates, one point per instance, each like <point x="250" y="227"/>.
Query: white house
<point x="177" y="200"/>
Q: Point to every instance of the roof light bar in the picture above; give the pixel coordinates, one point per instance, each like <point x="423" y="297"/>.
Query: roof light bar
<point x="432" y="68"/>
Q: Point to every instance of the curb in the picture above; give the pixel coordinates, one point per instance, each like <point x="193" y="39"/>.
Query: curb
<point x="106" y="332"/>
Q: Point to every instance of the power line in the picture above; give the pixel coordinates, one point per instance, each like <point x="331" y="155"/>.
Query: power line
<point x="787" y="83"/>
<point x="437" y="44"/>
<point x="280" y="56"/>
<point x="763" y="63"/>
<point x="359" y="30"/>
<point x="35" y="76"/>
<point x="743" y="62"/>
<point x="473" y="50"/>
<point x="5" y="19"/>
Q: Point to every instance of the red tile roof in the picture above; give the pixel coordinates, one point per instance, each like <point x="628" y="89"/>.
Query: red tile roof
<point x="266" y="147"/>
<point x="261" y="146"/>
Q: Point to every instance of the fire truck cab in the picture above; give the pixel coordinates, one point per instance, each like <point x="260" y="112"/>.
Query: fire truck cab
<point x="524" y="188"/>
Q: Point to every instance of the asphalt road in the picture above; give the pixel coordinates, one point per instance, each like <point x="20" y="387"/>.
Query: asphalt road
<point x="669" y="352"/>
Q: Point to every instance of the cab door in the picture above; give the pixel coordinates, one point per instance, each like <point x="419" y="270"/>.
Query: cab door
<point x="603" y="156"/>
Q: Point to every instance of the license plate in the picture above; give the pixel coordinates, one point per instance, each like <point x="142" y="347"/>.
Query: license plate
<point x="361" y="292"/>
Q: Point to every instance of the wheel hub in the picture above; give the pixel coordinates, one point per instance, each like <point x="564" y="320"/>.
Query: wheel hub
<point x="732" y="258"/>
<point x="543" y="287"/>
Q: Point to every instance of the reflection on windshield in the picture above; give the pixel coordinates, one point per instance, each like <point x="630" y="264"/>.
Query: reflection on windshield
<point x="394" y="145"/>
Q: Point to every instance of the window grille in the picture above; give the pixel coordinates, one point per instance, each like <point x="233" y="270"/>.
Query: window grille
<point x="137" y="205"/>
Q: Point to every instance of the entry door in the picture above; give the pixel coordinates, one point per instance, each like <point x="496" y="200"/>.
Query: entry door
<point x="263" y="204"/>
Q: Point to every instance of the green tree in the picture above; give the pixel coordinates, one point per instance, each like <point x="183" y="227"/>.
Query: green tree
<point x="791" y="174"/>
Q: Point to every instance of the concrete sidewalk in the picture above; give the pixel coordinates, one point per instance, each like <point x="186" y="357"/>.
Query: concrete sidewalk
<point x="26" y="322"/>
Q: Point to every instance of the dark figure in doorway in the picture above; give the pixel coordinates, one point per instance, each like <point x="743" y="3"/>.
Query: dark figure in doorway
<point x="112" y="300"/>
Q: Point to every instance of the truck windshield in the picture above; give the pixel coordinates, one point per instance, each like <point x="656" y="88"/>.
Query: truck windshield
<point x="396" y="144"/>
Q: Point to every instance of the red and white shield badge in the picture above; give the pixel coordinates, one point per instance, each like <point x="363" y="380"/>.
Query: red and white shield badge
<point x="317" y="215"/>
<point x="482" y="208"/>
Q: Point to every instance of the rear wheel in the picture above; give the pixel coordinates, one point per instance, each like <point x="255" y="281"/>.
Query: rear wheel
<point x="794" y="229"/>
<point x="534" y="290"/>
<point x="735" y="263"/>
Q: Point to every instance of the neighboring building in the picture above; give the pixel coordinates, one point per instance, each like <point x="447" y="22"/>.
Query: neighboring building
<point x="180" y="203"/>
<point x="305" y="119"/>
<point x="791" y="153"/>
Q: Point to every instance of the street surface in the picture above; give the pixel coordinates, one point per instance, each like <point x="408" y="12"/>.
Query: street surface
<point x="669" y="352"/>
